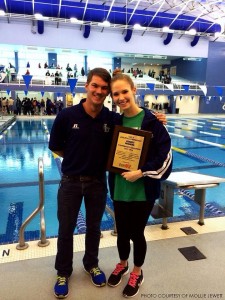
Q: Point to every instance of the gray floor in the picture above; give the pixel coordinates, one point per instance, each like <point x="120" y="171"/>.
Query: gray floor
<point x="168" y="274"/>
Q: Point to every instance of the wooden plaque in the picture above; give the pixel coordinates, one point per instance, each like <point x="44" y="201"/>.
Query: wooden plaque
<point x="128" y="149"/>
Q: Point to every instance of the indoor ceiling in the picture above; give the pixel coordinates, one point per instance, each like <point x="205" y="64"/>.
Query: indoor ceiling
<point x="206" y="17"/>
<point x="179" y="16"/>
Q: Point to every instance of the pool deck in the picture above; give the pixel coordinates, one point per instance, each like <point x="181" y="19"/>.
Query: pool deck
<point x="167" y="273"/>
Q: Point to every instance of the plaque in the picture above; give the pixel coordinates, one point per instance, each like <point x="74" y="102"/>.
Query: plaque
<point x="128" y="149"/>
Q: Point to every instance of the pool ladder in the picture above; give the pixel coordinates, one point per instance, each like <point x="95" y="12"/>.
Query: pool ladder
<point x="43" y="242"/>
<point x="111" y="212"/>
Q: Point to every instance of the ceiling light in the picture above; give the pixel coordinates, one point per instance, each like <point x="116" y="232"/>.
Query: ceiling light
<point x="104" y="24"/>
<point x="40" y="17"/>
<point x="217" y="34"/>
<point x="139" y="27"/>
<point x="167" y="29"/>
<point x="191" y="31"/>
<point x="2" y="13"/>
<point x="75" y="20"/>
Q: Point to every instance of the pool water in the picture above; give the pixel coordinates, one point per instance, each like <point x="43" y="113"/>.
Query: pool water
<point x="198" y="146"/>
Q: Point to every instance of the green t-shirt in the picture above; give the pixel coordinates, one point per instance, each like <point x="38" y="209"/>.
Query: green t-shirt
<point x="125" y="190"/>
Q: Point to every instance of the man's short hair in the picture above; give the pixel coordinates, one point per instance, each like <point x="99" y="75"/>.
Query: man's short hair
<point x="100" y="72"/>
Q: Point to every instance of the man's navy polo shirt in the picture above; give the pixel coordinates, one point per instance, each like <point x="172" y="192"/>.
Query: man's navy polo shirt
<point x="84" y="140"/>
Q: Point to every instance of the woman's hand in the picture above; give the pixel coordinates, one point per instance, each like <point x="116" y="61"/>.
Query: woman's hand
<point x="161" y="117"/>
<point x="132" y="175"/>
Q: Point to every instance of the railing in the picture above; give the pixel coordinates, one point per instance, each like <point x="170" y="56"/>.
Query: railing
<point x="111" y="212"/>
<point x="45" y="81"/>
<point x="6" y="121"/>
<point x="40" y="80"/>
<point x="43" y="242"/>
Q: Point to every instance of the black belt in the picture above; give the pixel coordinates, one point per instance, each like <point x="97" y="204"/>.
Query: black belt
<point x="83" y="178"/>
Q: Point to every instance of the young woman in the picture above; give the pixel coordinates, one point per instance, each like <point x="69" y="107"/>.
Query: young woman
<point x="134" y="192"/>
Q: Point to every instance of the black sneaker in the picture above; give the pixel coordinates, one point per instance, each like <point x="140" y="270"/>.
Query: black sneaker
<point x="116" y="276"/>
<point x="61" y="287"/>
<point x="134" y="282"/>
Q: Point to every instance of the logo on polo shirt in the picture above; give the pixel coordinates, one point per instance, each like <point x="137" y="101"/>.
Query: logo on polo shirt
<point x="106" y="128"/>
<point x="75" y="126"/>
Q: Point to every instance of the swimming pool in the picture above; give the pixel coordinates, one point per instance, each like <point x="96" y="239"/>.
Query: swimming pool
<point x="198" y="146"/>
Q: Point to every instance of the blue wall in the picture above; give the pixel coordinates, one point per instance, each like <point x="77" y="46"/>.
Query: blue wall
<point x="212" y="106"/>
<point x="215" y="73"/>
<point x="215" y="77"/>
<point x="191" y="70"/>
<point x="116" y="62"/>
<point x="52" y="59"/>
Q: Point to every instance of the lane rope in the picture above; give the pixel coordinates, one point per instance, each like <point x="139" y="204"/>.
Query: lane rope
<point x="208" y="206"/>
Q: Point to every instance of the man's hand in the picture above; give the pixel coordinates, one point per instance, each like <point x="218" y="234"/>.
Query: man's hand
<point x="132" y="175"/>
<point x="161" y="117"/>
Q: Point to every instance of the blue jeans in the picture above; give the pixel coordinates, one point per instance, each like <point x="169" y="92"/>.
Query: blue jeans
<point x="70" y="195"/>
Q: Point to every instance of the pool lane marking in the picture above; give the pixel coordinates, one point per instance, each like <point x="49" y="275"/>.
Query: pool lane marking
<point x="202" y="158"/>
<point x="176" y="134"/>
<point x="195" y="130"/>
<point x="216" y="128"/>
<point x="209" y="133"/>
<point x="179" y="150"/>
<point x="187" y="120"/>
<point x="198" y="140"/>
<point x="221" y="125"/>
<point x="209" y="143"/>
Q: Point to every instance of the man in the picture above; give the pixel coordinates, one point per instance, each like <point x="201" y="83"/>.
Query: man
<point x="57" y="77"/>
<point x="82" y="134"/>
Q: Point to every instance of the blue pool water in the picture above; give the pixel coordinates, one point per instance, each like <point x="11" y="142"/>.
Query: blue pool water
<point x="201" y="141"/>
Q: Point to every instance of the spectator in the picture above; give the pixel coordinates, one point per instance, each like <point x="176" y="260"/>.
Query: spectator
<point x="57" y="77"/>
<point x="75" y="70"/>
<point x="68" y="68"/>
<point x="18" y="106"/>
<point x="42" y="106"/>
<point x="10" y="103"/>
<point x="82" y="71"/>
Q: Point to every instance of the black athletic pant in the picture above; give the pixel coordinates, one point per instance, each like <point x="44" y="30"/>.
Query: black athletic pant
<point x="131" y="219"/>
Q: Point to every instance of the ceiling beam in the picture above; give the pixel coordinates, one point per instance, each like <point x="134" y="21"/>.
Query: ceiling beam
<point x="6" y="8"/>
<point x="59" y="10"/>
<point x="180" y="12"/>
<point x="154" y="16"/>
<point x="133" y="11"/>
